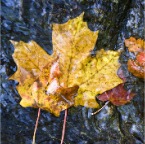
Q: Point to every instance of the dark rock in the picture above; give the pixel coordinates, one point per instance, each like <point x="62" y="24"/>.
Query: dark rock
<point x="32" y="20"/>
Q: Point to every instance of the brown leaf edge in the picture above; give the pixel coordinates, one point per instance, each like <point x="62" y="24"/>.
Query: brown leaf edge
<point x="118" y="96"/>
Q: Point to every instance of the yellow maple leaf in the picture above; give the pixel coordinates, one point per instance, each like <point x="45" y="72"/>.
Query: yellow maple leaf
<point x="70" y="76"/>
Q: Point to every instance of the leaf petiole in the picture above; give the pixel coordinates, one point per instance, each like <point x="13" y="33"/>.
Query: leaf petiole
<point x="64" y="125"/>
<point x="101" y="108"/>
<point x="36" y="125"/>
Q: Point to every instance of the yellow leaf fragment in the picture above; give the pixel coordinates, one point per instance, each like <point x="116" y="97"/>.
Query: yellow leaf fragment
<point x="70" y="76"/>
<point x="30" y="59"/>
<point x="72" y="42"/>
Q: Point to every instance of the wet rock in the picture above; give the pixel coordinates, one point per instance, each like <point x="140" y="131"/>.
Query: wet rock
<point x="32" y="20"/>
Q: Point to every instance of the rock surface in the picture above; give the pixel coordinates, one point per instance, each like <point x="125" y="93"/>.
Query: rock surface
<point x="29" y="19"/>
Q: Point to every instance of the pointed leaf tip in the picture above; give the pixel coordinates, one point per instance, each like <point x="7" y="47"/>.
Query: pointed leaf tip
<point x="14" y="42"/>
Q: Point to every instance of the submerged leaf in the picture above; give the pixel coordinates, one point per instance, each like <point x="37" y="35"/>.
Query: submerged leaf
<point x="70" y="76"/>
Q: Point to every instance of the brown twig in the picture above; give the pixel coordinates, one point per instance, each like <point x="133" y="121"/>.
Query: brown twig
<point x="64" y="125"/>
<point x="101" y="108"/>
<point x="36" y="125"/>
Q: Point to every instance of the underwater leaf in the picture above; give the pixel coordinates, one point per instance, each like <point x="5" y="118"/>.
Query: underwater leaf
<point x="70" y="76"/>
<point x="136" y="66"/>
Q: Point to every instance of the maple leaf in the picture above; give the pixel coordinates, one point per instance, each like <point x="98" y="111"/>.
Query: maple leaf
<point x="136" y="66"/>
<point x="70" y="76"/>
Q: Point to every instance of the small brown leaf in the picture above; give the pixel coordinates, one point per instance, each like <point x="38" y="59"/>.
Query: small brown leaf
<point x="117" y="96"/>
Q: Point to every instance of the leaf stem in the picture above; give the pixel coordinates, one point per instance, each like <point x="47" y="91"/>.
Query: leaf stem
<point x="36" y="125"/>
<point x="101" y="108"/>
<point x="64" y="125"/>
